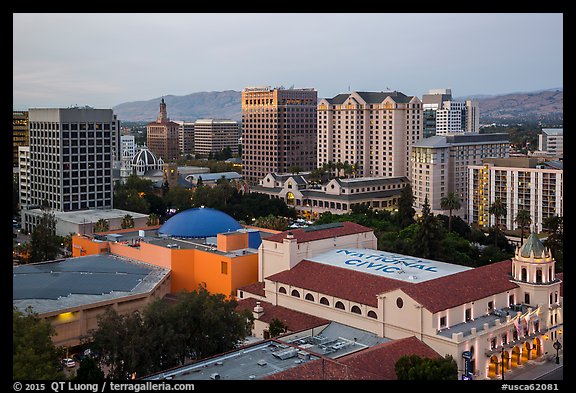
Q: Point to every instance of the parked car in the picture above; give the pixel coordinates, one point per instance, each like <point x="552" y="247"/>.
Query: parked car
<point x="68" y="362"/>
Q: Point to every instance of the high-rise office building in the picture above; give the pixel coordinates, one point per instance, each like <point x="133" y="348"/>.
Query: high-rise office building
<point x="70" y="158"/>
<point x="551" y="142"/>
<point x="185" y="136"/>
<point x="371" y="130"/>
<point x="443" y="115"/>
<point x="213" y="135"/>
<point x="20" y="132"/>
<point x="162" y="136"/>
<point x="278" y="130"/>
<point x="440" y="165"/>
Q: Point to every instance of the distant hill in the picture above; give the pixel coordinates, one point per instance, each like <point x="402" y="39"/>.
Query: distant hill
<point x="543" y="105"/>
<point x="547" y="105"/>
<point x="212" y="105"/>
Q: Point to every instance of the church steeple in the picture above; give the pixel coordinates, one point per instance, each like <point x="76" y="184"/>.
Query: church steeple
<point x="163" y="115"/>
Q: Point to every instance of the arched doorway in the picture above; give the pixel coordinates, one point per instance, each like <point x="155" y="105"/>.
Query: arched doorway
<point x="536" y="349"/>
<point x="516" y="360"/>
<point x="493" y="367"/>
<point x="525" y="352"/>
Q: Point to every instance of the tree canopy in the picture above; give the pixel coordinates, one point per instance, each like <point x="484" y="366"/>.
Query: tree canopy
<point x="167" y="334"/>
<point x="34" y="355"/>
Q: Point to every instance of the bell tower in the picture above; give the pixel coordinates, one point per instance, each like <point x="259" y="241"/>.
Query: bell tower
<point x="534" y="270"/>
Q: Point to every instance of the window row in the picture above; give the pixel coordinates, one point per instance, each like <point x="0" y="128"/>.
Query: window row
<point x="324" y="301"/>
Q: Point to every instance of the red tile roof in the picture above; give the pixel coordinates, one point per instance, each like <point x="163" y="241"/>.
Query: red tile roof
<point x="435" y="295"/>
<point x="322" y="369"/>
<point x="377" y="362"/>
<point x="256" y="288"/>
<point x="295" y="320"/>
<point x="340" y="282"/>
<point x="463" y="287"/>
<point x="381" y="359"/>
<point x="302" y="236"/>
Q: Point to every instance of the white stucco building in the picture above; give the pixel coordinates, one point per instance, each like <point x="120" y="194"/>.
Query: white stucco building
<point x="491" y="318"/>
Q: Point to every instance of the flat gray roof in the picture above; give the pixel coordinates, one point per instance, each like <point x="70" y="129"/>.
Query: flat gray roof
<point x="72" y="282"/>
<point x="265" y="358"/>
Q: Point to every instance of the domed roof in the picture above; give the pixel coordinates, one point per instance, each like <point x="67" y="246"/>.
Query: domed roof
<point x="199" y="222"/>
<point x="146" y="157"/>
<point x="532" y="244"/>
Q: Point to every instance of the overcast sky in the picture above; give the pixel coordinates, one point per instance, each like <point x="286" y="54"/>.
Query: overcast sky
<point x="106" y="59"/>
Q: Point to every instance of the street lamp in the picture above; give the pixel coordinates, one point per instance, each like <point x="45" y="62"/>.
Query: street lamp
<point x="557" y="346"/>
<point x="502" y="360"/>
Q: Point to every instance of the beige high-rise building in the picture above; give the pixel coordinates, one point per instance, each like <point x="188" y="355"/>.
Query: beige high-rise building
<point x="440" y="165"/>
<point x="162" y="136"/>
<point x="278" y="130"/>
<point x="212" y="136"/>
<point x="371" y="130"/>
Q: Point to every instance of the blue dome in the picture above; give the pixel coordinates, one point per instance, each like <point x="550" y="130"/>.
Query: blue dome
<point x="199" y="222"/>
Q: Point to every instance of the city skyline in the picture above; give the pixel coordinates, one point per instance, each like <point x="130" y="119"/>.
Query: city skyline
<point x="77" y="59"/>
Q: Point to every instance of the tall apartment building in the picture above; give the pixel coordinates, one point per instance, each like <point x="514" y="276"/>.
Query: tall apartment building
<point x="371" y="130"/>
<point x="440" y="165"/>
<point x="162" y="136"/>
<point x="71" y="158"/>
<point x="20" y="132"/>
<point x="443" y="115"/>
<point x="519" y="182"/>
<point x="213" y="135"/>
<point x="278" y="130"/>
<point x="185" y="136"/>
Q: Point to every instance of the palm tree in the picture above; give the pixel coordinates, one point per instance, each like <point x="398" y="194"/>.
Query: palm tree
<point x="127" y="222"/>
<point x="450" y="202"/>
<point x="523" y="219"/>
<point x="101" y="225"/>
<point x="498" y="209"/>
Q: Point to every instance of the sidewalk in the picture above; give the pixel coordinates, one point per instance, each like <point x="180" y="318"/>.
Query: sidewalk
<point x="534" y="369"/>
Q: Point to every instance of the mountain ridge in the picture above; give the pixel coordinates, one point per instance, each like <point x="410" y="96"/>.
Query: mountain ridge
<point x="545" y="104"/>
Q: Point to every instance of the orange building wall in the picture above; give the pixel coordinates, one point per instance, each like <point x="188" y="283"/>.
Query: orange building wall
<point x="189" y="267"/>
<point x="82" y="245"/>
<point x="232" y="241"/>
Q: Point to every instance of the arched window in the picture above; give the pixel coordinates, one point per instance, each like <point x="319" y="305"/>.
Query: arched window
<point x="281" y="290"/>
<point x="339" y="305"/>
<point x="356" y="310"/>
<point x="290" y="198"/>
<point x="295" y="293"/>
<point x="372" y="314"/>
<point x="524" y="274"/>
<point x="324" y="301"/>
<point x="309" y="297"/>
<point x="538" y="276"/>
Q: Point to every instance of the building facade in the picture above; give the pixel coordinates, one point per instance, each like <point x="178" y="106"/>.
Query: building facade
<point x="371" y="130"/>
<point x="71" y="158"/>
<point x="521" y="183"/>
<point x="185" y="137"/>
<point x="337" y="196"/>
<point x="440" y="165"/>
<point x="278" y="130"/>
<point x="163" y="136"/>
<point x="20" y="133"/>
<point x="213" y="135"/>
<point x="551" y="142"/>
<point x="443" y="115"/>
